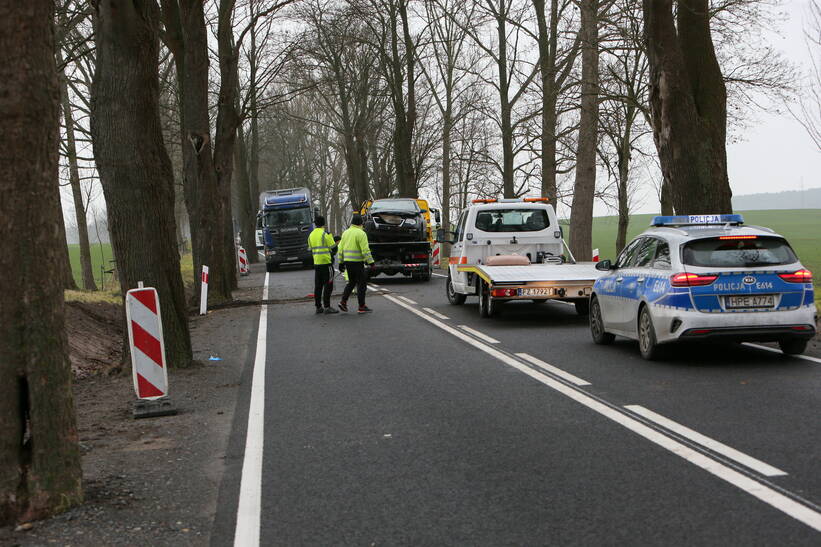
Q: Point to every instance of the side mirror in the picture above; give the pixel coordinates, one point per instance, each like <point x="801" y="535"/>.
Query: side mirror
<point x="605" y="266"/>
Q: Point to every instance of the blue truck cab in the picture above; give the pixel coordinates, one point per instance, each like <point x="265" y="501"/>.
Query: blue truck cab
<point x="287" y="221"/>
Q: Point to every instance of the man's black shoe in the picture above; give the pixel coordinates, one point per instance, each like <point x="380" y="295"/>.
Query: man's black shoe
<point x="364" y="309"/>
<point x="329" y="311"/>
<point x="319" y="311"/>
<point x="343" y="306"/>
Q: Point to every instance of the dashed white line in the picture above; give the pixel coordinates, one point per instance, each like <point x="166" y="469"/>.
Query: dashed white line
<point x="478" y="334"/>
<point x="249" y="508"/>
<point x="554" y="370"/>
<point x="776" y="350"/>
<point x="747" y="461"/>
<point x="439" y="275"/>
<point x="768" y="495"/>
<point x="408" y="300"/>
<point x="436" y="314"/>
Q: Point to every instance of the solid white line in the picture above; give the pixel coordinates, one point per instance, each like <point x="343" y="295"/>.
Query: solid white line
<point x="436" y="314"/>
<point x="776" y="350"/>
<point x="408" y="300"/>
<point x="439" y="275"/>
<point x="555" y="370"/>
<point x="764" y="493"/>
<point x="374" y="287"/>
<point x="747" y="461"/>
<point x="249" y="509"/>
<point x="478" y="334"/>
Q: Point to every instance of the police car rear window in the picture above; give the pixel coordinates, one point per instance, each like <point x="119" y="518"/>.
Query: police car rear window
<point x="731" y="251"/>
<point x="512" y="220"/>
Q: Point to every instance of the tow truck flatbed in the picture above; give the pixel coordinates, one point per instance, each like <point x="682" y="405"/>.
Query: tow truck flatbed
<point x="544" y="281"/>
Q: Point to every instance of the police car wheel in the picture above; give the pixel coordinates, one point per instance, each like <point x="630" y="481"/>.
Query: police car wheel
<point x="793" y="346"/>
<point x="454" y="297"/>
<point x="647" y="335"/>
<point x="600" y="336"/>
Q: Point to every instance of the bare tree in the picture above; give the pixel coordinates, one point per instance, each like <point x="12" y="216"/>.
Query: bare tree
<point x="40" y="471"/>
<point x="808" y="111"/>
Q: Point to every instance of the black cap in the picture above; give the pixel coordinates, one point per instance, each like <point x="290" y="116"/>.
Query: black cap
<point x="356" y="219"/>
<point x="319" y="221"/>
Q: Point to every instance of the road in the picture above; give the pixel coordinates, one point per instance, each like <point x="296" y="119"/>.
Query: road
<point x="424" y="424"/>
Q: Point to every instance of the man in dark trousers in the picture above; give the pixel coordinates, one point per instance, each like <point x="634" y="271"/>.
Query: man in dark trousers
<point x="322" y="245"/>
<point x="355" y="255"/>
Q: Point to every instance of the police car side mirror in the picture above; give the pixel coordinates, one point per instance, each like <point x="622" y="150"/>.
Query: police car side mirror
<point x="605" y="266"/>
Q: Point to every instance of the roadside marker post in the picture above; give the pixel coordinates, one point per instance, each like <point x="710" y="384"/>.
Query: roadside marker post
<point x="148" y="365"/>
<point x="204" y="291"/>
<point x="243" y="261"/>
<point x="436" y="250"/>
<point x="595" y="255"/>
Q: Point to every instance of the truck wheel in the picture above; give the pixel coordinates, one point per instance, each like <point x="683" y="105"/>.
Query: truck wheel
<point x="600" y="336"/>
<point x="271" y="267"/>
<point x="582" y="307"/>
<point x="485" y="301"/>
<point x="793" y="346"/>
<point x="454" y="297"/>
<point x="648" y="346"/>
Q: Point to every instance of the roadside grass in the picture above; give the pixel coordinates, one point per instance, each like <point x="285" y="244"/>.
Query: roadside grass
<point x="100" y="255"/>
<point x="94" y="297"/>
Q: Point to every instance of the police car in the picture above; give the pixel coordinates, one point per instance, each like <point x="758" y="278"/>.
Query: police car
<point x="704" y="277"/>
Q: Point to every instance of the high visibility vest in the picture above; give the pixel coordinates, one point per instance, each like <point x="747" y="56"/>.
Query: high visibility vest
<point x="353" y="247"/>
<point x="321" y="243"/>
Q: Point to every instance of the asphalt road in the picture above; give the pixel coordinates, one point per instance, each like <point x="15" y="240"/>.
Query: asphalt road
<point x="424" y="424"/>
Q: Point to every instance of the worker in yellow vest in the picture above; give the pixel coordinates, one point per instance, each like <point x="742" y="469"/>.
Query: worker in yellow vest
<point x="355" y="253"/>
<point x="322" y="247"/>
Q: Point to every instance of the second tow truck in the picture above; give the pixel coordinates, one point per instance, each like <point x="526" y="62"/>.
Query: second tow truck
<point x="513" y="249"/>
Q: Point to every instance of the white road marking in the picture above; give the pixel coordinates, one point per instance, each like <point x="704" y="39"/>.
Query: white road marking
<point x="436" y="314"/>
<point x="478" y="334"/>
<point x="555" y="370"/>
<point x="439" y="275"/>
<point x="408" y="300"/>
<point x="768" y="495"/>
<point x="747" y="461"/>
<point x="776" y="350"/>
<point x="249" y="508"/>
<point x="374" y="287"/>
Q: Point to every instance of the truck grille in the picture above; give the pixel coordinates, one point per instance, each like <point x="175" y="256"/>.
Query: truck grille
<point x="291" y="244"/>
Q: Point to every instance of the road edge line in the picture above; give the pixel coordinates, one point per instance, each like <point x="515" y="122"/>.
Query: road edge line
<point x="775" y="350"/>
<point x="555" y="370"/>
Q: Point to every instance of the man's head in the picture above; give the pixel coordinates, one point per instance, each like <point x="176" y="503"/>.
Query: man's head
<point x="319" y="221"/>
<point x="356" y="219"/>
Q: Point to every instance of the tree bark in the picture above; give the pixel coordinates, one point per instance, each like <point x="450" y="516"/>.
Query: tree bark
<point x="581" y="213"/>
<point x="62" y="262"/>
<point x="688" y="105"/>
<point x="548" y="44"/>
<point x="40" y="472"/>
<point x="506" y="109"/>
<point x="76" y="190"/>
<point x="134" y="166"/>
<point x="247" y="214"/>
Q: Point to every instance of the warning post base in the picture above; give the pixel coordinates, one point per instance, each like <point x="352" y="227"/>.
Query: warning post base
<point x="144" y="408"/>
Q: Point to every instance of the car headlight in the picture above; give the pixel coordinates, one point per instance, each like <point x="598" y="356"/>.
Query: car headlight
<point x="410" y="222"/>
<point x="270" y="252"/>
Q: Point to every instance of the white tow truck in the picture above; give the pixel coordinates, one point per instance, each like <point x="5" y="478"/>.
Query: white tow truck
<point x="513" y="249"/>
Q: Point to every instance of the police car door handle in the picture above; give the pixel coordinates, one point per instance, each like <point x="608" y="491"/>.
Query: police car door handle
<point x="640" y="280"/>
<point x="619" y="279"/>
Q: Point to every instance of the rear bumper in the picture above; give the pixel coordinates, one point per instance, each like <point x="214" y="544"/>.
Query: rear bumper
<point x="765" y="333"/>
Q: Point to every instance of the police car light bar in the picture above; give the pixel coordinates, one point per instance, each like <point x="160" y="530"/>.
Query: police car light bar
<point x="696" y="220"/>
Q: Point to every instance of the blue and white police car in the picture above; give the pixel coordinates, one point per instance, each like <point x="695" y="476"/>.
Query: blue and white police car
<point x="704" y="277"/>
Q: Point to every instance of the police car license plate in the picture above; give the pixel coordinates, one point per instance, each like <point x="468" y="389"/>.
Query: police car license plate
<point x="536" y="291"/>
<point x="750" y="301"/>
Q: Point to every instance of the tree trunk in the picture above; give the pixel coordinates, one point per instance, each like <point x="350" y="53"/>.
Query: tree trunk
<point x="246" y="213"/>
<point x="547" y="71"/>
<point x="134" y="166"/>
<point x="62" y="262"/>
<point x="447" y="134"/>
<point x="688" y="105"/>
<point x="76" y="189"/>
<point x="505" y="107"/>
<point x="40" y="472"/>
<point x="581" y="213"/>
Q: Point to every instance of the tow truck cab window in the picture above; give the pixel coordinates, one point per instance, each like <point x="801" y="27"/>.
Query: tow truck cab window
<point x="460" y="226"/>
<point x="738" y="252"/>
<point x="628" y="255"/>
<point x="512" y="220"/>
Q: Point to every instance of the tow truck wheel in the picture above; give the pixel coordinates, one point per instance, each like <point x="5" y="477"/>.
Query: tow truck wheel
<point x="582" y="307"/>
<point x="454" y="297"/>
<point x="793" y="347"/>
<point x="647" y="336"/>
<point x="484" y="298"/>
<point x="600" y="336"/>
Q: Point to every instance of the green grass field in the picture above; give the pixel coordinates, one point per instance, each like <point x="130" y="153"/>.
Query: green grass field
<point x="98" y="256"/>
<point x="801" y="227"/>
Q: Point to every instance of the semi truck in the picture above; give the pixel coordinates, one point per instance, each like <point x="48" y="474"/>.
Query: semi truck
<point x="400" y="235"/>
<point x="513" y="249"/>
<point x="287" y="221"/>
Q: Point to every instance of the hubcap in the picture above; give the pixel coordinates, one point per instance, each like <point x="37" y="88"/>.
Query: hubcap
<point x="596" y="319"/>
<point x="644" y="331"/>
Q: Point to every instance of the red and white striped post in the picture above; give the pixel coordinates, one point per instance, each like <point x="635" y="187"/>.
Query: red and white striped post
<point x="436" y="254"/>
<point x="243" y="261"/>
<point x="595" y="255"/>
<point x="204" y="291"/>
<point x="148" y="366"/>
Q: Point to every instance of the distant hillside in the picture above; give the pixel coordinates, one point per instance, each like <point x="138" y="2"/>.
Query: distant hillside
<point x="796" y="199"/>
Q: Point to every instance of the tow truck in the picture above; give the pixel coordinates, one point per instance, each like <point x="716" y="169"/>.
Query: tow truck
<point x="513" y="249"/>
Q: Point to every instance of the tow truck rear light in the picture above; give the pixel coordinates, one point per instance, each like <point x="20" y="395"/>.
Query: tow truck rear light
<point x="801" y="276"/>
<point x="484" y="201"/>
<point x="504" y="292"/>
<point x="738" y="237"/>
<point x="691" y="280"/>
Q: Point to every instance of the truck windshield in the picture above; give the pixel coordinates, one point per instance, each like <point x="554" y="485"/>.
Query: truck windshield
<point x="395" y="206"/>
<point x="288" y="217"/>
<point x="728" y="253"/>
<point x="512" y="220"/>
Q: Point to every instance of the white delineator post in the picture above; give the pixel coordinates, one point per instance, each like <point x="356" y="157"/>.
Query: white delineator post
<point x="595" y="255"/>
<point x="148" y="365"/>
<point x="204" y="291"/>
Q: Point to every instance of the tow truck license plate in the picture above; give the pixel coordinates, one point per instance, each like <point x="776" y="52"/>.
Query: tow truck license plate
<point x="750" y="301"/>
<point x="536" y="291"/>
